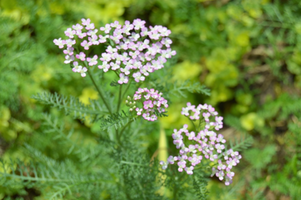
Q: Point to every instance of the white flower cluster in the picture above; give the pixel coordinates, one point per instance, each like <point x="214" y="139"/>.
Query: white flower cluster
<point x="133" y="50"/>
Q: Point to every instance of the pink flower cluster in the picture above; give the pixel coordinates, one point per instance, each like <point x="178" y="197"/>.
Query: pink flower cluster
<point x="133" y="50"/>
<point x="151" y="103"/>
<point x="207" y="112"/>
<point x="206" y="144"/>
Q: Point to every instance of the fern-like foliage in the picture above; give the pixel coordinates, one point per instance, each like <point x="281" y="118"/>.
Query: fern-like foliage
<point x="137" y="172"/>
<point x="242" y="143"/>
<point x="54" y="178"/>
<point x="56" y="129"/>
<point x="116" y="120"/>
<point x="71" y="105"/>
<point x="193" y="87"/>
<point x="200" y="186"/>
<point x="180" y="89"/>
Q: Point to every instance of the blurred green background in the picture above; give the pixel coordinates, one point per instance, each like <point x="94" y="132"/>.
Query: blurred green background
<point x="247" y="52"/>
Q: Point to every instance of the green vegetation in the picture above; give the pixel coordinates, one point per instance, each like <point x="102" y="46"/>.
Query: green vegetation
<point x="241" y="56"/>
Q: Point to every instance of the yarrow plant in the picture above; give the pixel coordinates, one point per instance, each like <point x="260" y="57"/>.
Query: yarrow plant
<point x="134" y="51"/>
<point x="117" y="162"/>
<point x="204" y="144"/>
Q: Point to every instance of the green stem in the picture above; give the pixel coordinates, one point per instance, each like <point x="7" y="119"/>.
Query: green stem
<point x="118" y="137"/>
<point x="126" y="89"/>
<point x="193" y="124"/>
<point x="118" y="134"/>
<point x="119" y="98"/>
<point x="126" y="126"/>
<point x="118" y="107"/>
<point x="99" y="92"/>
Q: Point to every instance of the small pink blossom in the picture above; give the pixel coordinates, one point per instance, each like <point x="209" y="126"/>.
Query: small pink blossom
<point x="59" y="42"/>
<point x="92" y="61"/>
<point x="123" y="78"/>
<point x="81" y="56"/>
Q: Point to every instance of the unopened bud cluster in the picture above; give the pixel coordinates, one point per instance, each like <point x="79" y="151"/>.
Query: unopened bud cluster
<point x="205" y="144"/>
<point x="130" y="103"/>
<point x="147" y="102"/>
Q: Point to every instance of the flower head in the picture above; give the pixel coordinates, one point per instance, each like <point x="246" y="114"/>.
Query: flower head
<point x="206" y="144"/>
<point x="152" y="104"/>
<point x="135" y="50"/>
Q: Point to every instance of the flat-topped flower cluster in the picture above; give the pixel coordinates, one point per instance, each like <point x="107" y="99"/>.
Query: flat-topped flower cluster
<point x="206" y="144"/>
<point x="132" y="50"/>
<point x="151" y="103"/>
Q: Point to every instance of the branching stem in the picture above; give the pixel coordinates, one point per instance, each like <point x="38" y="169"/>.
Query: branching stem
<point x="126" y="126"/>
<point x="119" y="134"/>
<point x="99" y="92"/>
<point x="193" y="124"/>
<point x="126" y="89"/>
